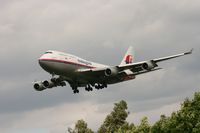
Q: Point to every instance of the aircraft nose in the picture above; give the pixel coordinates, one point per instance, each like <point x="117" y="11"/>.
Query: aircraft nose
<point x="41" y="62"/>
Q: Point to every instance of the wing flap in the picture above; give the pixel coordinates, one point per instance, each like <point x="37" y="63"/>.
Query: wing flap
<point x="143" y="72"/>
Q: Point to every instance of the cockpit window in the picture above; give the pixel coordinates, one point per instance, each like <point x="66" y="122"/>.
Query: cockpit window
<point x="48" y="52"/>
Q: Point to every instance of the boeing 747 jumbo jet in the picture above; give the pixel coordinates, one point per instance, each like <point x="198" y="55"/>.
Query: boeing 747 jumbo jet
<point x="82" y="73"/>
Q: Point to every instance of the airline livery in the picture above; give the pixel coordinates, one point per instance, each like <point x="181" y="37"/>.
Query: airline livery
<point x="82" y="73"/>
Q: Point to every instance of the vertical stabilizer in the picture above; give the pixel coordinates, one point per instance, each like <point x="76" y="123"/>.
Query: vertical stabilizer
<point x="129" y="57"/>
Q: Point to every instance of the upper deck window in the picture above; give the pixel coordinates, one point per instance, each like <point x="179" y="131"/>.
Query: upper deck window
<point x="48" y="52"/>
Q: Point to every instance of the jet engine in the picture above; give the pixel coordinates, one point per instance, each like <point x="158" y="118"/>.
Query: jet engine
<point x="39" y="86"/>
<point x="53" y="83"/>
<point x="49" y="84"/>
<point x="149" y="65"/>
<point x="111" y="71"/>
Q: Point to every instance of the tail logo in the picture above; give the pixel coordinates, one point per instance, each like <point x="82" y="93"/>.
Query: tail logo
<point x="129" y="59"/>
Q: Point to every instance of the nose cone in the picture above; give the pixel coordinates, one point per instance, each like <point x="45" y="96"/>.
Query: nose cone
<point x="43" y="63"/>
<point x="46" y="65"/>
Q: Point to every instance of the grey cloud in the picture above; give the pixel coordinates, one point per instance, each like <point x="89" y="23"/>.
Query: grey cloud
<point x="24" y="98"/>
<point x="99" y="31"/>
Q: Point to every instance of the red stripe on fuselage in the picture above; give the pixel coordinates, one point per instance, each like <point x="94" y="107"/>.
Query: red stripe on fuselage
<point x="66" y="62"/>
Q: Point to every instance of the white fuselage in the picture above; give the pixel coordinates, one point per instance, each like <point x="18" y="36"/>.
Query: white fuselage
<point x="64" y="64"/>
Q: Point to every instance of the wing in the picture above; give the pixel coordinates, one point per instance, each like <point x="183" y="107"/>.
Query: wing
<point x="151" y="64"/>
<point x="127" y="69"/>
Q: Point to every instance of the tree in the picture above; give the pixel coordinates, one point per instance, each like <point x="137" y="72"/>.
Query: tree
<point x="80" y="127"/>
<point x="196" y="129"/>
<point x="127" y="128"/>
<point x="116" y="119"/>
<point x="186" y="120"/>
<point x="160" y="126"/>
<point x="144" y="126"/>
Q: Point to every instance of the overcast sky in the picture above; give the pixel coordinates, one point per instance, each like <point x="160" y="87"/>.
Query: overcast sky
<point x="101" y="31"/>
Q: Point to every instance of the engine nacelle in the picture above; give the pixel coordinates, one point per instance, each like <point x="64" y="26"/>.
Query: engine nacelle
<point x="39" y="87"/>
<point x="49" y="84"/>
<point x="111" y="71"/>
<point x="53" y="83"/>
<point x="149" y="65"/>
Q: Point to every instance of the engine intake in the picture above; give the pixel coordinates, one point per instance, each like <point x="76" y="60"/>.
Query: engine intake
<point x="49" y="84"/>
<point x="53" y="83"/>
<point x="111" y="71"/>
<point x="42" y="85"/>
<point x="39" y="87"/>
<point x="149" y="65"/>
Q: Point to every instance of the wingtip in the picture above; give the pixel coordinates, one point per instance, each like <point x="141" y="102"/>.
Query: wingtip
<point x="190" y="52"/>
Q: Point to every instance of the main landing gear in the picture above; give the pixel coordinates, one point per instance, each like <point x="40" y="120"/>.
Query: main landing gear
<point x="88" y="87"/>
<point x="75" y="88"/>
<point x="76" y="91"/>
<point x="100" y="86"/>
<point x="97" y="86"/>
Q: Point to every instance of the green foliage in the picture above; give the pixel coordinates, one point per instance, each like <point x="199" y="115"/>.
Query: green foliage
<point x="196" y="129"/>
<point x="144" y="126"/>
<point x="126" y="128"/>
<point x="116" y="119"/>
<point x="80" y="127"/>
<point x="160" y="126"/>
<point x="186" y="120"/>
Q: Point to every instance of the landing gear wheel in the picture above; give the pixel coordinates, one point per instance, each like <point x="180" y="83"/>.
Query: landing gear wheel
<point x="97" y="87"/>
<point x="100" y="86"/>
<point x="75" y="88"/>
<point x="88" y="88"/>
<point x="105" y="85"/>
<point x="76" y="91"/>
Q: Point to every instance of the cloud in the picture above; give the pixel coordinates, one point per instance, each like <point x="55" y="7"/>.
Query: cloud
<point x="100" y="31"/>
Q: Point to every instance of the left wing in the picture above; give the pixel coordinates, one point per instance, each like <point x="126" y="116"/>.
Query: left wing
<point x="129" y="69"/>
<point x="151" y="64"/>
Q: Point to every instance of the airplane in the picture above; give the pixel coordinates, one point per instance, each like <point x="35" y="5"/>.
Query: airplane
<point x="79" y="72"/>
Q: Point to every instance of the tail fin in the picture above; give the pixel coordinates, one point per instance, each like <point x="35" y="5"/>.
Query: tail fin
<point x="129" y="57"/>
